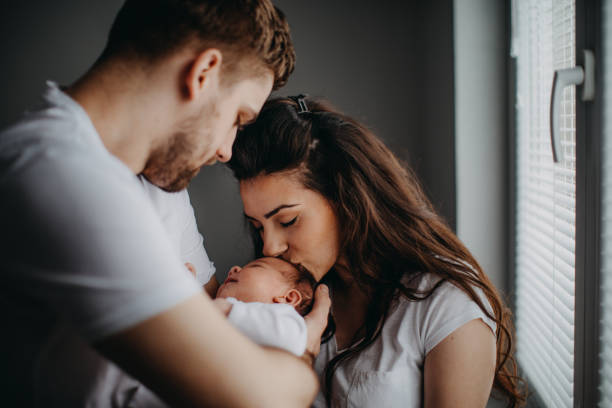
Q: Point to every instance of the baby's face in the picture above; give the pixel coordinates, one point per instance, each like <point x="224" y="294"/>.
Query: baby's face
<point x="258" y="281"/>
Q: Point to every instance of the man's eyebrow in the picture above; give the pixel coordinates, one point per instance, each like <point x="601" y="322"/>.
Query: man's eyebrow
<point x="273" y="212"/>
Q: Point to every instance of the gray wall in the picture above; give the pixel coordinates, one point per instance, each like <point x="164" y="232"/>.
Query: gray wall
<point x="481" y="132"/>
<point x="390" y="64"/>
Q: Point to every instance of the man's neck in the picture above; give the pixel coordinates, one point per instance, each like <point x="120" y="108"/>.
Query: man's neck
<point x="123" y="111"/>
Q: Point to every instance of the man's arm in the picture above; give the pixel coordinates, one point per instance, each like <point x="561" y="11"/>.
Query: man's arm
<point x="190" y="364"/>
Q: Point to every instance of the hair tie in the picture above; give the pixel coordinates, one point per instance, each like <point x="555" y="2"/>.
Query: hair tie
<point x="301" y="102"/>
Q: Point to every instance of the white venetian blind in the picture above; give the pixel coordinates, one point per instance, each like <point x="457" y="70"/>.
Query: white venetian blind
<point x="544" y="41"/>
<point x="605" y="373"/>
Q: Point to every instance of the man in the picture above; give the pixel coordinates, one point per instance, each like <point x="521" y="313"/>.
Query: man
<point x="87" y="268"/>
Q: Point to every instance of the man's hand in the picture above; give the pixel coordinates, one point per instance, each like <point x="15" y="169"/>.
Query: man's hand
<point x="316" y="322"/>
<point x="223" y="305"/>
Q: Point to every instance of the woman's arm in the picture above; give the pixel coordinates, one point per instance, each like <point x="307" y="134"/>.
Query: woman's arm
<point x="211" y="364"/>
<point x="459" y="371"/>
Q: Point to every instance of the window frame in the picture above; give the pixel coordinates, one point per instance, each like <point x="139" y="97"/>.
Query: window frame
<point x="588" y="214"/>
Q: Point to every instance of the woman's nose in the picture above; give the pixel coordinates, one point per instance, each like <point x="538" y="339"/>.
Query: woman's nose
<point x="273" y="245"/>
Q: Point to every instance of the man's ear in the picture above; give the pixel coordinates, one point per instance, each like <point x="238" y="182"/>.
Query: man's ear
<point x="204" y="69"/>
<point x="293" y="297"/>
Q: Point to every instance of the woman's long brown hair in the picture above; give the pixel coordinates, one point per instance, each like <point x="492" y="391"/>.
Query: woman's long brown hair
<point x="390" y="234"/>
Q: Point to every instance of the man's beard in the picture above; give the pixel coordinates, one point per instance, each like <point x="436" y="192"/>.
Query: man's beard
<point x="168" y="166"/>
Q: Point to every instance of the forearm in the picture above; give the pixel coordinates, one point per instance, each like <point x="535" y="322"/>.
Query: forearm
<point x="298" y="391"/>
<point x="191" y="364"/>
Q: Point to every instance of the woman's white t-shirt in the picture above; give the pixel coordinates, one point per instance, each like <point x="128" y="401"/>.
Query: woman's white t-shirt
<point x="389" y="373"/>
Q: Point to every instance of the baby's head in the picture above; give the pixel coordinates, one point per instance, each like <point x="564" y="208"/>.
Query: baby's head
<point x="270" y="280"/>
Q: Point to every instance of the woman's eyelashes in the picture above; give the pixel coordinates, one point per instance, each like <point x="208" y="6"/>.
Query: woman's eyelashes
<point x="289" y="223"/>
<point x="259" y="228"/>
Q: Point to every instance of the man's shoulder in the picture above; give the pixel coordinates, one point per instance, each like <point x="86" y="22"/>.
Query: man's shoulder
<point x="52" y="143"/>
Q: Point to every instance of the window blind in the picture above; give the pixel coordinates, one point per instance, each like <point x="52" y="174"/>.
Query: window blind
<point x="544" y="41"/>
<point x="605" y="373"/>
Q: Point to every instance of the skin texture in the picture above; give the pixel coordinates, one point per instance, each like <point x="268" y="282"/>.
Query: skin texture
<point x="304" y="232"/>
<point x="169" y="120"/>
<point x="138" y="109"/>
<point x="458" y="372"/>
<point x="207" y="135"/>
<point x="262" y="280"/>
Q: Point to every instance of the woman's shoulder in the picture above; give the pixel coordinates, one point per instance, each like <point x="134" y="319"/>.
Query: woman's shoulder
<point x="446" y="309"/>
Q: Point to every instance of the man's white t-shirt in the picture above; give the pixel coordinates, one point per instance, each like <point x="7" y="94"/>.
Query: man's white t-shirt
<point x="84" y="256"/>
<point x="389" y="372"/>
<point x="178" y="218"/>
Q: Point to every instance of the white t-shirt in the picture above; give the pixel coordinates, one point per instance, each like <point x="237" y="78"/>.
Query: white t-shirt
<point x="389" y="373"/>
<point x="178" y="218"/>
<point x="84" y="256"/>
<point x="270" y="324"/>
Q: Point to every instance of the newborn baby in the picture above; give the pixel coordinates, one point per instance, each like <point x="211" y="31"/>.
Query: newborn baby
<point x="263" y="300"/>
<point x="266" y="300"/>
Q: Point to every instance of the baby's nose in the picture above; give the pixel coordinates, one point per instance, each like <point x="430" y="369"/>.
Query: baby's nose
<point x="234" y="271"/>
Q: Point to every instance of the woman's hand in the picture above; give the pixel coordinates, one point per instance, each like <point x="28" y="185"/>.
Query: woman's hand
<point x="316" y="322"/>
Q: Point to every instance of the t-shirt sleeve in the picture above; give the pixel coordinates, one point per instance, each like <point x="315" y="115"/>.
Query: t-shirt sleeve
<point x="192" y="243"/>
<point x="178" y="218"/>
<point x="447" y="309"/>
<point x="86" y="243"/>
<point x="269" y="324"/>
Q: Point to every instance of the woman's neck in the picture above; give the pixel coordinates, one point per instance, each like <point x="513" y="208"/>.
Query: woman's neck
<point x="349" y="306"/>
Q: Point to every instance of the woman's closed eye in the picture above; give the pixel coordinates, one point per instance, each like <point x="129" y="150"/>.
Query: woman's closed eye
<point x="289" y="223"/>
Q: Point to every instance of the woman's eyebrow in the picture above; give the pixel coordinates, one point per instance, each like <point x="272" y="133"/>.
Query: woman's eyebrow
<point x="273" y="212"/>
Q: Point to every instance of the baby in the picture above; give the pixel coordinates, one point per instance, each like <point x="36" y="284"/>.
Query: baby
<point x="266" y="300"/>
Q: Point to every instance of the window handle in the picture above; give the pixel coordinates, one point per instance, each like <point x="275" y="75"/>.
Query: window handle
<point x="566" y="77"/>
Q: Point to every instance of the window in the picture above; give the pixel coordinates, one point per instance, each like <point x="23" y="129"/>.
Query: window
<point x="544" y="41"/>
<point x="563" y="210"/>
<point x="605" y="371"/>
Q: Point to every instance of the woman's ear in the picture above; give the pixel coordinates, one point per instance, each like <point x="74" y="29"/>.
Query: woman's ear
<point x="293" y="297"/>
<point x="203" y="69"/>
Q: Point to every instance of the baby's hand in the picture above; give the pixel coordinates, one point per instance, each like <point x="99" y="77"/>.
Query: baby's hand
<point x="223" y="305"/>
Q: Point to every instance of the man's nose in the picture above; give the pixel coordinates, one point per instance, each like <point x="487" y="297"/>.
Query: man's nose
<point x="224" y="152"/>
<point x="274" y="245"/>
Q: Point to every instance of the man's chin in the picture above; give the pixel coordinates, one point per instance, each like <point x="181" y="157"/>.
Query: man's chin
<point x="179" y="183"/>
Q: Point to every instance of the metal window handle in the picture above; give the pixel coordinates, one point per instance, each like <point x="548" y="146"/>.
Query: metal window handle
<point x="561" y="79"/>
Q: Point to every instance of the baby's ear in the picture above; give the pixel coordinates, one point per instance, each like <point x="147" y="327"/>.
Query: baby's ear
<point x="292" y="297"/>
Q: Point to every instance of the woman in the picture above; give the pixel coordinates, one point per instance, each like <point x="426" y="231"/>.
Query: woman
<point x="417" y="321"/>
